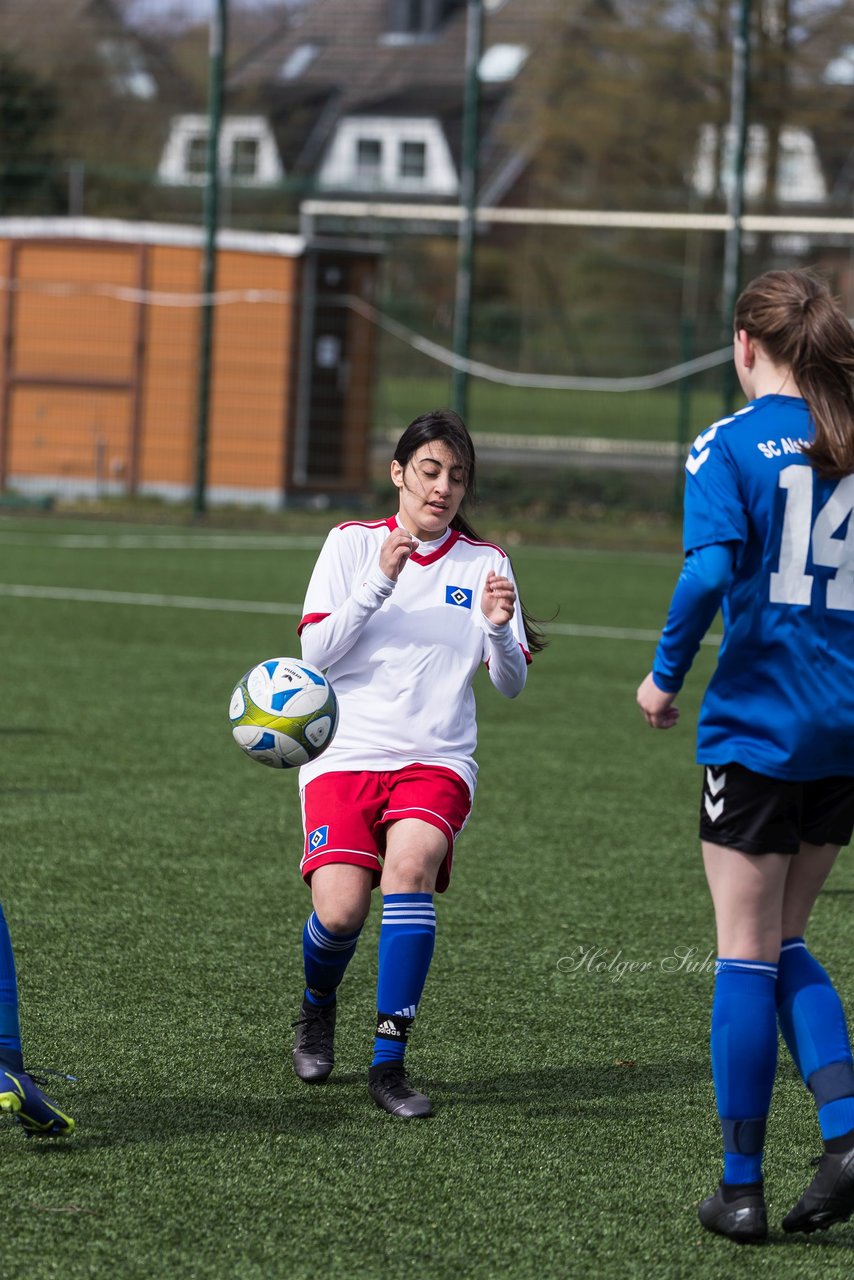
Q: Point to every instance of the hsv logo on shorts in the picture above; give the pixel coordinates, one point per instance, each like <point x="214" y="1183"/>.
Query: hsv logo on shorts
<point x="458" y="595"/>
<point x="317" y="838"/>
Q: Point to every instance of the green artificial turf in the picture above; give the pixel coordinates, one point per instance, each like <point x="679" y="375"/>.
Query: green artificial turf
<point x="151" y="885"/>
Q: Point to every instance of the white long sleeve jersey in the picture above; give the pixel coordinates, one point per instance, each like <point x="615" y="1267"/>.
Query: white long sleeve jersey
<point x="402" y="655"/>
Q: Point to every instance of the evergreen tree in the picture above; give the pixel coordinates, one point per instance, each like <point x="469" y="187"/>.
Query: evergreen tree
<point x="28" y="109"/>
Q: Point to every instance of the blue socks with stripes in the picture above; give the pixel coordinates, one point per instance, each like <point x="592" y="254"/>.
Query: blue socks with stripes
<point x="407" y="936"/>
<point x="812" y="1020"/>
<point x="744" y="1061"/>
<point x="325" y="956"/>
<point x="10" y="1029"/>
<point x="750" y="997"/>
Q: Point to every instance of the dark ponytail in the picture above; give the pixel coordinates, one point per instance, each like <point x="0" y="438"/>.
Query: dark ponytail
<point x="447" y="426"/>
<point x="799" y="324"/>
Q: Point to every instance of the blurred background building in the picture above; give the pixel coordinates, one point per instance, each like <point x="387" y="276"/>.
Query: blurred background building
<point x="605" y="155"/>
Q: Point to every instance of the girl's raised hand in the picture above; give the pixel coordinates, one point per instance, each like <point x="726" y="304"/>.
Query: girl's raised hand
<point x="498" y="603"/>
<point x="395" y="552"/>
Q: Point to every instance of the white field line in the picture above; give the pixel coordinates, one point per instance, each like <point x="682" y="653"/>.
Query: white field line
<point x="87" y="595"/>
<point x="285" y="542"/>
<point x="163" y="541"/>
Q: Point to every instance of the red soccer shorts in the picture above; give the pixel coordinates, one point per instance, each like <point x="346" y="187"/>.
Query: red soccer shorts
<point x="346" y="814"/>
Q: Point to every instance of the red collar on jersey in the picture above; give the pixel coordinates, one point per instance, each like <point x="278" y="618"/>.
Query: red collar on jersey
<point x="416" y="557"/>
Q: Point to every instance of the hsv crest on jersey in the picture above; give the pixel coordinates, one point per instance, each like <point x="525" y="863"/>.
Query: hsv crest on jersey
<point x="461" y="596"/>
<point x="318" y="838"/>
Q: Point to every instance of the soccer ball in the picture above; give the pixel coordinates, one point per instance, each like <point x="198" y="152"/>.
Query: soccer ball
<point x="283" y="713"/>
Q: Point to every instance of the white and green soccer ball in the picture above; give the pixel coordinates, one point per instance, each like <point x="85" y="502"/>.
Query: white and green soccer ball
<point x="283" y="713"/>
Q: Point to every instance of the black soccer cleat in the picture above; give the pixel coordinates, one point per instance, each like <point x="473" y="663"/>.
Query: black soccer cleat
<point x="743" y="1219"/>
<point x="829" y="1198"/>
<point x="314" y="1043"/>
<point x="390" y="1089"/>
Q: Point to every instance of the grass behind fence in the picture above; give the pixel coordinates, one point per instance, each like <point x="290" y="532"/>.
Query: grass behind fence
<point x="633" y="415"/>
<point x="152" y="889"/>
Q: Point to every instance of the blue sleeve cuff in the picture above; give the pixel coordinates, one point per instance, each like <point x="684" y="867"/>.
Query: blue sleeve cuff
<point x="667" y="684"/>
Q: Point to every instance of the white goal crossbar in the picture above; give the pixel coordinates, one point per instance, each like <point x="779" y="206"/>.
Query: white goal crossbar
<point x="604" y="218"/>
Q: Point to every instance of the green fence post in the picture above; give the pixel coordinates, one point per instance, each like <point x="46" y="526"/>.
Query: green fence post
<point x="211" y="217"/>
<point x="740" y="88"/>
<point x="468" y="203"/>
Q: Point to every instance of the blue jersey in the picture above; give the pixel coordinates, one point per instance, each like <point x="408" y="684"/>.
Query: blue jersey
<point x="781" y="700"/>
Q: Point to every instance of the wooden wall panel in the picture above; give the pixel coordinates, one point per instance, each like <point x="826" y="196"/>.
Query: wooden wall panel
<point x="68" y="321"/>
<point x="70" y="433"/>
<point x="252" y="374"/>
<point x="167" y="447"/>
<point x="76" y="319"/>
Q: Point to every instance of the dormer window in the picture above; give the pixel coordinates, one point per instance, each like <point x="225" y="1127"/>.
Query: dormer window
<point x="413" y="159"/>
<point x="248" y="155"/>
<point x="244" y="158"/>
<point x="799" y="178"/>
<point x="404" y="155"/>
<point x="196" y="155"/>
<point x="369" y="159"/>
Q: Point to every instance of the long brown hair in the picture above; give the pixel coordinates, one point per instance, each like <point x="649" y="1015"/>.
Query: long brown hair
<point x="799" y="324"/>
<point x="447" y="426"/>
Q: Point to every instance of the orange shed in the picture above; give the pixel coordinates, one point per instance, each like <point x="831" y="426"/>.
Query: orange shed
<point x="100" y="330"/>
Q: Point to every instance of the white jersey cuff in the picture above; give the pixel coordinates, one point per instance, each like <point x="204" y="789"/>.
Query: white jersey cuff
<point x="376" y="588"/>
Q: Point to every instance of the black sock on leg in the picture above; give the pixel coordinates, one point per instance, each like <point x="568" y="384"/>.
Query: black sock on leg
<point x="735" y="1190"/>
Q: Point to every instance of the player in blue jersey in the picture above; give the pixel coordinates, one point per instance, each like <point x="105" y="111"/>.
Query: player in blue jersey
<point x="20" y="1095"/>
<point x="402" y="612"/>
<point x="769" y="538"/>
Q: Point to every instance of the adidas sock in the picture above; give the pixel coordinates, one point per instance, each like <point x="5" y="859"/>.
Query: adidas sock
<point x="744" y="1060"/>
<point x="10" y="1029"/>
<point x="813" y="1023"/>
<point x="325" y="956"/>
<point x="407" y="936"/>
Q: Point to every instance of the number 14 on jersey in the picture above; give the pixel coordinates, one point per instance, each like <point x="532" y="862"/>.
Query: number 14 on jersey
<point x="791" y="584"/>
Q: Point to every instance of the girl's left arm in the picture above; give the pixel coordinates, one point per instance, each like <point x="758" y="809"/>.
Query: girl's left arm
<point x="706" y="575"/>
<point x="508" y="666"/>
<point x="506" y="658"/>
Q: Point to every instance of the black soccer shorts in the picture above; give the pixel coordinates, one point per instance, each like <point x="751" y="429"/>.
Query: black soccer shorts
<point x="748" y="811"/>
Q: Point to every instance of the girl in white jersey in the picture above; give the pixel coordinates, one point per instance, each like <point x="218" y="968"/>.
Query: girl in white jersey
<point x="401" y="613"/>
